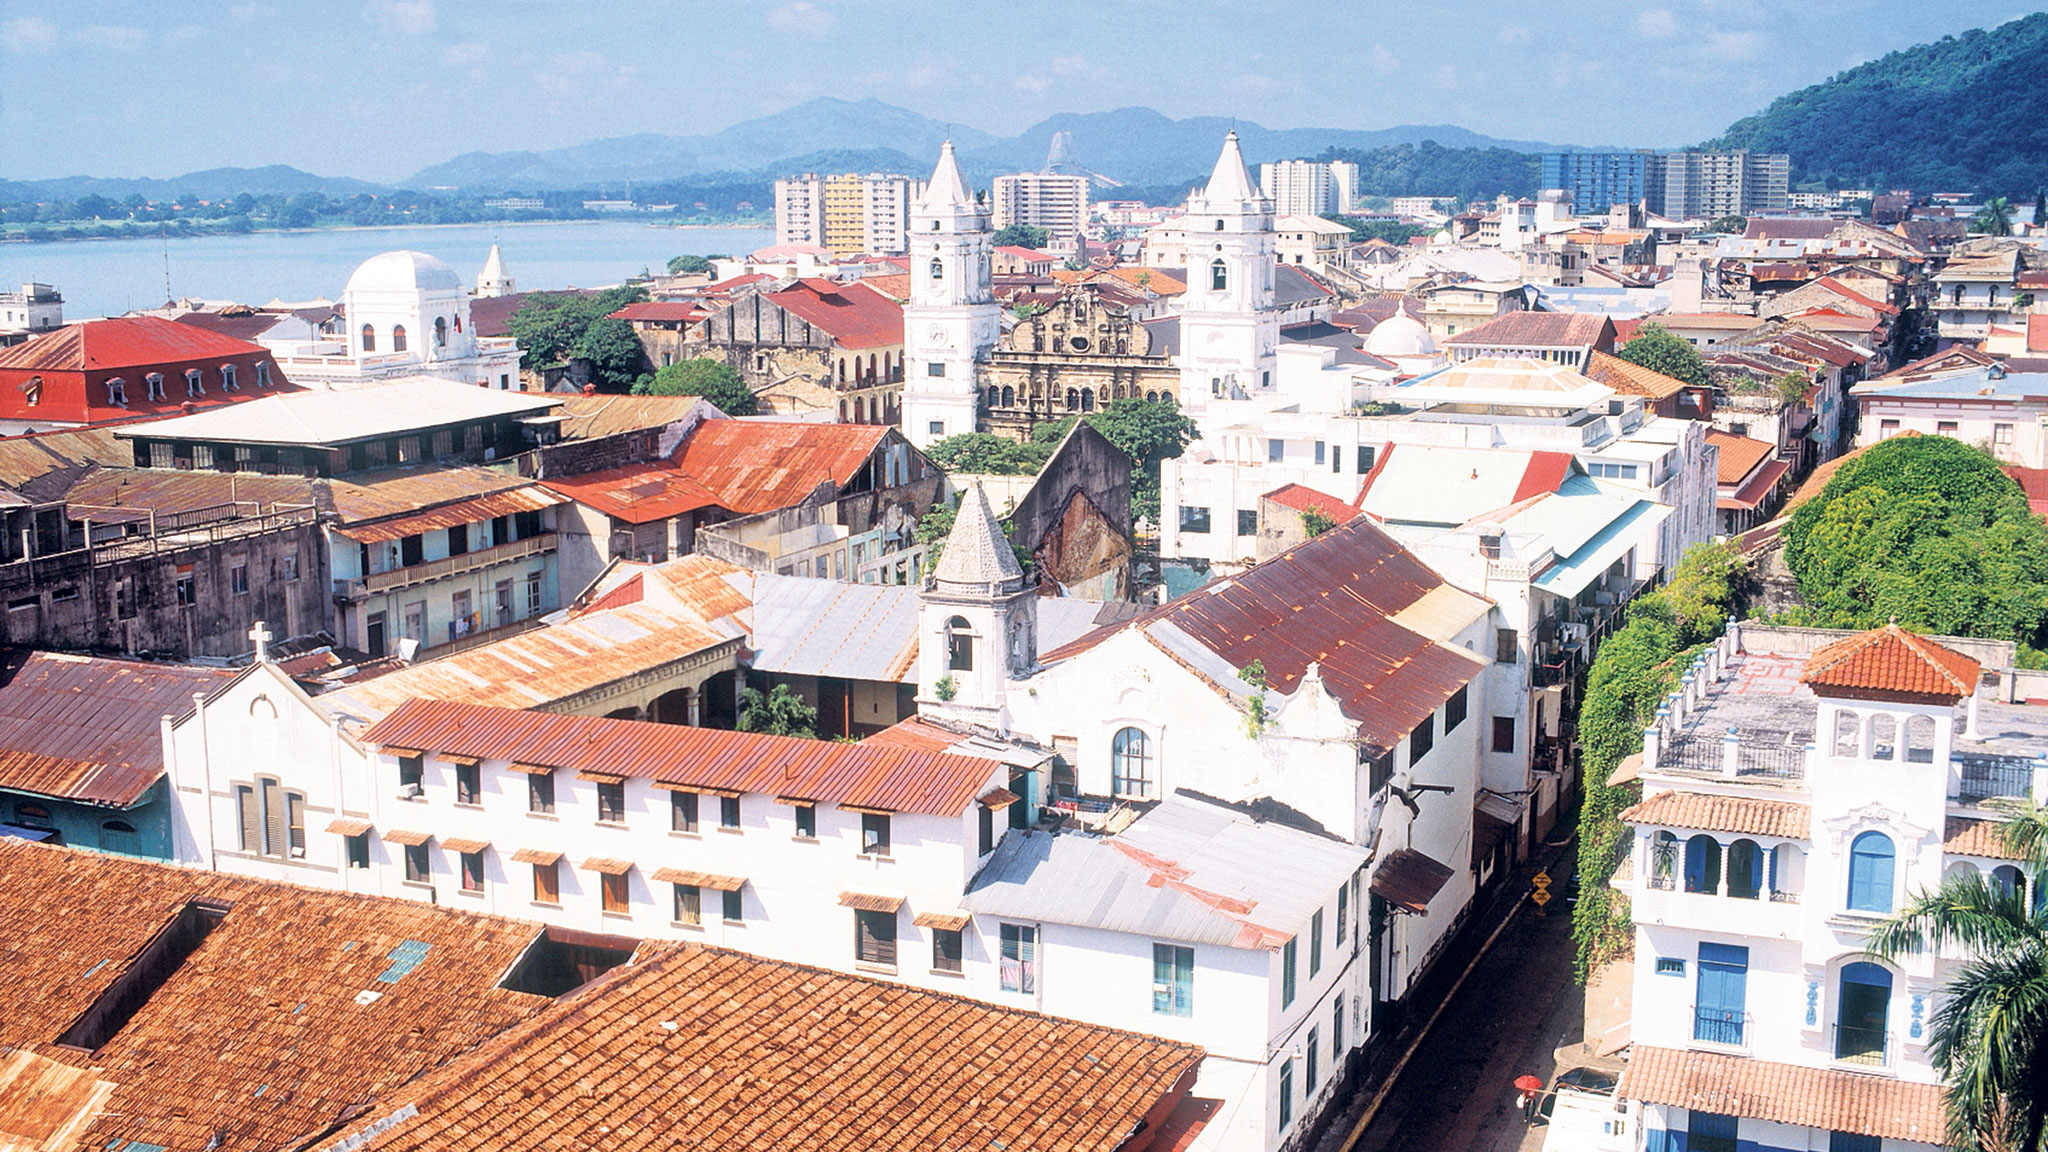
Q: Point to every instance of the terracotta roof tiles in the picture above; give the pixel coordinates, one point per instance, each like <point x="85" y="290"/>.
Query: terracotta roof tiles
<point x="855" y="315"/>
<point x="1786" y="1093"/>
<point x="1739" y="454"/>
<point x="1741" y="815"/>
<point x="1891" y="660"/>
<point x="1631" y="379"/>
<point x="1962" y="836"/>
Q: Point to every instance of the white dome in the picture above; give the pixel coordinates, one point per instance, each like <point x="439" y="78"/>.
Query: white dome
<point x="408" y="273"/>
<point x="1400" y="335"/>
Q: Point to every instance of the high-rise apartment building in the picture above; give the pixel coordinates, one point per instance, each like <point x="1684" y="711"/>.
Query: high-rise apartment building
<point x="850" y="214"/>
<point x="1310" y="188"/>
<point x="1681" y="185"/>
<point x="1055" y="202"/>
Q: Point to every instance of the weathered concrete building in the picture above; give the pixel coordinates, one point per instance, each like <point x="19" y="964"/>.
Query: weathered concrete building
<point x="811" y="346"/>
<point x="1076" y="356"/>
<point x="1075" y="519"/>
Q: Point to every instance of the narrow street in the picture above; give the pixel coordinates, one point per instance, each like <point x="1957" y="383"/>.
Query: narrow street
<point x="1507" y="1017"/>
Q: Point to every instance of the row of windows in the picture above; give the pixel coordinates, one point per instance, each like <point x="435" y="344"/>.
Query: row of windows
<point x="1077" y="399"/>
<point x="1289" y="952"/>
<point x="398" y="338"/>
<point x="114" y="835"/>
<point x="1862" y="1003"/>
<point x="1311" y="1062"/>
<point x="1750" y="871"/>
<point x="153" y="383"/>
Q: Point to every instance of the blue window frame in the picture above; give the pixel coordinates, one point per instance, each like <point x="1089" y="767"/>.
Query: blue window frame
<point x="1861" y="1013"/>
<point x="1853" y="1142"/>
<point x="1870" y="872"/>
<point x="1718" y="1010"/>
<point x="1703" y="864"/>
<point x="1709" y="1132"/>
<point x="1173" y="980"/>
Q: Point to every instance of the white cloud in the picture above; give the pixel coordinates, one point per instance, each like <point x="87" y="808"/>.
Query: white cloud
<point x="583" y="70"/>
<point x="1734" y="45"/>
<point x="1069" y="65"/>
<point x="1656" y="24"/>
<point x="1032" y="82"/>
<point x="465" y="54"/>
<point x="28" y="34"/>
<point x="928" y="71"/>
<point x="803" y="18"/>
<point x="1256" y="84"/>
<point x="111" y="37"/>
<point x="411" y="17"/>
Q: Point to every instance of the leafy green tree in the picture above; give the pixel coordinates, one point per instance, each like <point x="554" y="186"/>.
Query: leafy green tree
<point x="714" y="380"/>
<point x="614" y="353"/>
<point x="1926" y="530"/>
<point x="1020" y="236"/>
<point x="550" y="325"/>
<point x="988" y="453"/>
<point x="1656" y="348"/>
<point x="1392" y="231"/>
<point x="1735" y="224"/>
<point x="1994" y="218"/>
<point x="1149" y="431"/>
<point x="778" y="712"/>
<point x="1315" y="521"/>
<point x="688" y="265"/>
<point x="1988" y="1034"/>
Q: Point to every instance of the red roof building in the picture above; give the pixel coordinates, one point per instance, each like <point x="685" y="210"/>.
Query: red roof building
<point x="1890" y="663"/>
<point x="129" y="368"/>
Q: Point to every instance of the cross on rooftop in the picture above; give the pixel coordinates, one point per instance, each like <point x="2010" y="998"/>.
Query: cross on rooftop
<point x="261" y="636"/>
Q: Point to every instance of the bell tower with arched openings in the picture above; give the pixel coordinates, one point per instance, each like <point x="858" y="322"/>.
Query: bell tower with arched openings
<point x="977" y="622"/>
<point x="952" y="319"/>
<point x="1229" y="328"/>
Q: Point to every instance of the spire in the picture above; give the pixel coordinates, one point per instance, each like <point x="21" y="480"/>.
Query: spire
<point x="977" y="554"/>
<point x="947" y="189"/>
<point x="494" y="265"/>
<point x="1230" y="182"/>
<point x="493" y="280"/>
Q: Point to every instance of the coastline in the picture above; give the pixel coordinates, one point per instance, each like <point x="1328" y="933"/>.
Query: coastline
<point x="737" y="227"/>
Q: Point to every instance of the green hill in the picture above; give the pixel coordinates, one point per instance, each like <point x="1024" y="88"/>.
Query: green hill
<point x="1964" y="113"/>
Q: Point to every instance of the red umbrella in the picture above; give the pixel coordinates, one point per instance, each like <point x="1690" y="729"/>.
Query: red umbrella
<point x="1529" y="1084"/>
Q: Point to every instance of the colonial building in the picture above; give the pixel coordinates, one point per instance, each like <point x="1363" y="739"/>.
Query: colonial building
<point x="1080" y="354"/>
<point x="1797" y="790"/>
<point x="812" y="346"/>
<point x="127" y="368"/>
<point x="1229" y="325"/>
<point x="407" y="315"/>
<point x="952" y="319"/>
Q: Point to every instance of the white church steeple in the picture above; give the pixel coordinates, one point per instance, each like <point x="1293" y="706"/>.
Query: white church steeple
<point x="978" y="621"/>
<point x="494" y="280"/>
<point x="952" y="319"/>
<point x="1230" y="328"/>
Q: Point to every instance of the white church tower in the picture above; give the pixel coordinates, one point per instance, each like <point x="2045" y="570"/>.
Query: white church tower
<point x="1229" y="327"/>
<point x="952" y="319"/>
<point x="977" y="622"/>
<point x="494" y="280"/>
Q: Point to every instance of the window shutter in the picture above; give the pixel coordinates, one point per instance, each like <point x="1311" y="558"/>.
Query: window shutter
<point x="876" y="933"/>
<point x="295" y="823"/>
<point x="273" y="819"/>
<point x="252" y="831"/>
<point x="544" y="883"/>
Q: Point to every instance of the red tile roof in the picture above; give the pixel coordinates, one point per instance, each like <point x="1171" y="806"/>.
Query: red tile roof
<point x="260" y="1039"/>
<point x="1786" y="1093"/>
<point x="821" y="771"/>
<point x="2032" y="481"/>
<point x="1739" y="454"/>
<point x="1836" y="286"/>
<point x="1962" y="836"/>
<point x="1540" y="330"/>
<point x="1301" y="499"/>
<point x="124" y="342"/>
<point x="1631" y="379"/>
<point x="854" y="315"/>
<point x="1328" y="602"/>
<point x="1757" y="488"/>
<point x="1891" y="661"/>
<point x="637" y="493"/>
<point x="1741" y="815"/>
<point x="672" y="310"/>
<point x="741" y="1052"/>
<point x="760" y="465"/>
<point x="78" y="728"/>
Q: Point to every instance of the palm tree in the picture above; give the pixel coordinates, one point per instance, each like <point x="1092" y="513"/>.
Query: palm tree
<point x="1989" y="1036"/>
<point x="1994" y="218"/>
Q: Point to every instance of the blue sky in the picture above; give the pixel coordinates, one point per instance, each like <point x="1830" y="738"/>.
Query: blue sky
<point x="381" y="88"/>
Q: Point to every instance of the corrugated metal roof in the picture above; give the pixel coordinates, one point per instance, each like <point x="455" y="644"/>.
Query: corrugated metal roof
<point x="1187" y="870"/>
<point x="392" y="408"/>
<point x="1410" y="880"/>
<point x="122" y="342"/>
<point x="822" y="771"/>
<point x="854" y="315"/>
<point x="811" y="627"/>
<point x="1438" y="484"/>
<point x="1325" y="602"/>
<point x="529" y="498"/>
<point x="1633" y="529"/>
<point x="637" y="493"/>
<point x="403" y="491"/>
<point x="86" y="729"/>
<point x="761" y="465"/>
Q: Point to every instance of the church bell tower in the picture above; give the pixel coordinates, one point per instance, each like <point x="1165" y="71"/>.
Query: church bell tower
<point x="952" y="319"/>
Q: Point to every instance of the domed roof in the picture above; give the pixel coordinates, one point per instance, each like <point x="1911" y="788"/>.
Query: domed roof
<point x="404" y="272"/>
<point x="1400" y="335"/>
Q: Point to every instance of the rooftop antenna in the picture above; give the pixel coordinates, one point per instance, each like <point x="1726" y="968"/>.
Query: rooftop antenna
<point x="165" y="236"/>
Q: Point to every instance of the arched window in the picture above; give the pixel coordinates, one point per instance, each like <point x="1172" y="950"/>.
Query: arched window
<point x="33" y="816"/>
<point x="1745" y="870"/>
<point x="440" y="332"/>
<point x="1073" y="399"/>
<point x="458" y="325"/>
<point x="1788" y="873"/>
<point x="120" y="836"/>
<point x="117" y="390"/>
<point x="263" y="373"/>
<point x="1702" y="864"/>
<point x="1130" y="764"/>
<point x="369" y="338"/>
<point x="1152" y="396"/>
<point x="227" y="377"/>
<point x="1663" y="860"/>
<point x="195" y="385"/>
<point x="1847" y="730"/>
<point x="1870" y="873"/>
<point x="1087" y="399"/>
<point x="842" y="369"/>
<point x="2007" y="881"/>
<point x="1219" y="276"/>
<point x="1009" y="396"/>
<point x="398" y="337"/>
<point x="1884" y="736"/>
<point x="1919" y="740"/>
<point x="938" y="270"/>
<point x="959" y="645"/>
<point x="1861" y="1009"/>
<point x="1219" y="226"/>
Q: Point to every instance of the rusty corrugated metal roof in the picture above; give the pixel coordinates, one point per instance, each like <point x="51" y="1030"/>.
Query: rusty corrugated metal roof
<point x="85" y="729"/>
<point x="530" y="498"/>
<point x="821" y="771"/>
<point x="758" y="466"/>
<point x="122" y="342"/>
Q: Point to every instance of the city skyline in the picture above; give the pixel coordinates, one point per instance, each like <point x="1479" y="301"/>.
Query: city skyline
<point x="392" y="86"/>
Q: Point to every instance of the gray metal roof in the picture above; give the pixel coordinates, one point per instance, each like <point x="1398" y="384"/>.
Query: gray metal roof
<point x="809" y="627"/>
<point x="347" y="414"/>
<point x="1189" y="870"/>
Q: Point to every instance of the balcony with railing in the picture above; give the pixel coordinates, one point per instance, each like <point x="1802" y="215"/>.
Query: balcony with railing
<point x="1863" y="1046"/>
<point x="430" y="570"/>
<point x="1723" y="1026"/>
<point x="1993" y="777"/>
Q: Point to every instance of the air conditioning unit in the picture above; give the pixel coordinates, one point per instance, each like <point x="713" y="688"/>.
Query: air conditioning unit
<point x="410" y="792"/>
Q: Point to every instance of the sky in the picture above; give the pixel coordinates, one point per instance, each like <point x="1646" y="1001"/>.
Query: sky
<point x="378" y="89"/>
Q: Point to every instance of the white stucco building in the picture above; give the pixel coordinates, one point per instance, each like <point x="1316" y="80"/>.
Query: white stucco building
<point x="405" y="314"/>
<point x="952" y="319"/>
